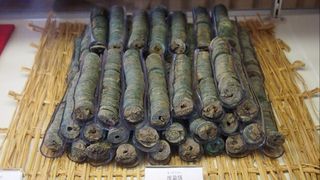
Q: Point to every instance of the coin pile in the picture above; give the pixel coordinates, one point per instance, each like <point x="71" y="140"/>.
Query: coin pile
<point x="153" y="84"/>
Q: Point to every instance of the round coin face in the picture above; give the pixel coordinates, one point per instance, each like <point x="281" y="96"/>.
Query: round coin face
<point x="175" y="133"/>
<point x="147" y="136"/>
<point x="253" y="134"/>
<point x="190" y="150"/>
<point x="162" y="156"/>
<point x="235" y="144"/>
<point x="126" y="154"/>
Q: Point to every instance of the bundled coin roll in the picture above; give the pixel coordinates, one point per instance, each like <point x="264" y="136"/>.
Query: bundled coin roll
<point x="70" y="128"/>
<point x="133" y="102"/>
<point x="274" y="139"/>
<point x="273" y="146"/>
<point x="202" y="25"/>
<point x="146" y="139"/>
<point x="190" y="150"/>
<point x="215" y="147"/>
<point x="253" y="135"/>
<point x="210" y="106"/>
<point x="108" y="112"/>
<point x="248" y="110"/>
<point x="127" y="155"/>
<point x="117" y="27"/>
<point x="250" y="62"/>
<point x="228" y="82"/>
<point x="77" y="151"/>
<point x="75" y="63"/>
<point x="236" y="146"/>
<point x="203" y="36"/>
<point x="139" y="30"/>
<point x="53" y="145"/>
<point x="84" y="96"/>
<point x="178" y="32"/>
<point x="118" y="135"/>
<point x="99" y="28"/>
<point x="229" y="124"/>
<point x="162" y="156"/>
<point x="202" y="66"/>
<point x="230" y="90"/>
<point x="202" y="130"/>
<point x="175" y="134"/>
<point x="99" y="153"/>
<point x="158" y="93"/>
<point x="158" y="35"/>
<point x="227" y="29"/>
<point x="182" y="101"/>
<point x="93" y="132"/>
<point x="224" y="26"/>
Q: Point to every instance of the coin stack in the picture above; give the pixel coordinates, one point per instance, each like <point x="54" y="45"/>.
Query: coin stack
<point x="151" y="85"/>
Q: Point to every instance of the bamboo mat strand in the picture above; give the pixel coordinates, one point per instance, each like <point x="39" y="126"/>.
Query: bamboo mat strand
<point x="46" y="85"/>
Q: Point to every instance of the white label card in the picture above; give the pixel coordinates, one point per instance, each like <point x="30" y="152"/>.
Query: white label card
<point x="12" y="174"/>
<point x="173" y="173"/>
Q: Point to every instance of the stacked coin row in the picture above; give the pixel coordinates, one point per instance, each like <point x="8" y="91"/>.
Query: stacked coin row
<point x="137" y="88"/>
